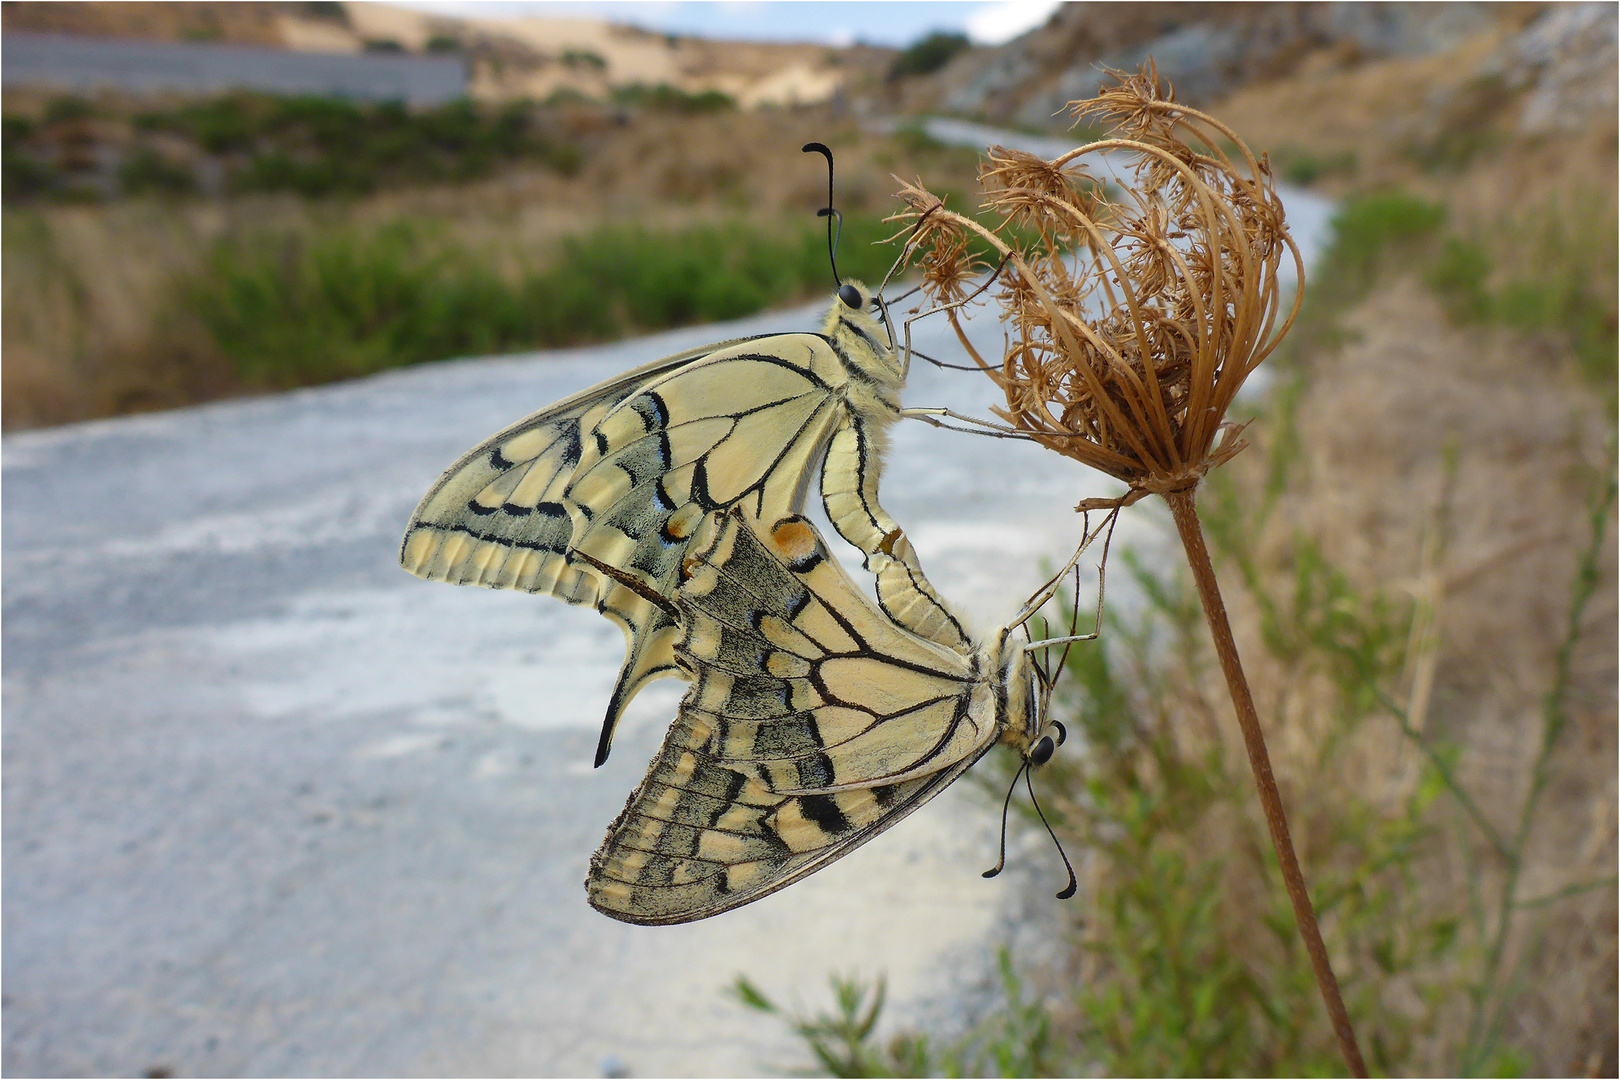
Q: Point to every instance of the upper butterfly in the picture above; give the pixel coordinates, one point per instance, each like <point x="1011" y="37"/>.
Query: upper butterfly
<point x="596" y="499"/>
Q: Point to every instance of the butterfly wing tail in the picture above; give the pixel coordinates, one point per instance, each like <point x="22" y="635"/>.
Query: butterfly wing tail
<point x="649" y="655"/>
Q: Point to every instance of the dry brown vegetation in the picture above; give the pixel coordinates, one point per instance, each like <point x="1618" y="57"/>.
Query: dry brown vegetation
<point x="1455" y="469"/>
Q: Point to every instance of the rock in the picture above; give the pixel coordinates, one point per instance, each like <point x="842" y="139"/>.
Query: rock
<point x="1568" y="60"/>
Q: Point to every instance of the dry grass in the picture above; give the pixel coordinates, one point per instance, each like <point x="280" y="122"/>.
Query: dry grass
<point x="1455" y="467"/>
<point x="86" y="290"/>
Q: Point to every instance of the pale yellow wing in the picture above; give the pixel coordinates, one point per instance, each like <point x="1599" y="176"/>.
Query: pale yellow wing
<point x="496" y="517"/>
<point x="813" y="724"/>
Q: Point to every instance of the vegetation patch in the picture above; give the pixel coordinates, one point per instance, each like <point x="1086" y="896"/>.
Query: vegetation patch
<point x="245" y="142"/>
<point x="928" y="55"/>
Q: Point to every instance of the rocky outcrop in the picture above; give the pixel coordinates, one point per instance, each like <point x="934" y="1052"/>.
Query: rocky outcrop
<point x="1206" y="50"/>
<point x="1566" y="61"/>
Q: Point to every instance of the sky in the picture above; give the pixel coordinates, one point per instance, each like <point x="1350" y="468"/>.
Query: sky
<point x="894" y="23"/>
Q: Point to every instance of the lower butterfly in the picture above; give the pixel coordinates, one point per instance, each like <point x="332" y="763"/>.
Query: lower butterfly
<point x="813" y="723"/>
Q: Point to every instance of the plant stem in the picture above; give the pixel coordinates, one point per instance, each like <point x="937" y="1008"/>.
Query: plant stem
<point x="1192" y="539"/>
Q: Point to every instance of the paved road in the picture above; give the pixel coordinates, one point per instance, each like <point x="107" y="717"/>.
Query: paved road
<point x="272" y="806"/>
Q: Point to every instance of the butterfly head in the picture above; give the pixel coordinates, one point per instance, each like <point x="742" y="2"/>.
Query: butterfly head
<point x="1026" y="693"/>
<point x="1027" y="725"/>
<point x="858" y="322"/>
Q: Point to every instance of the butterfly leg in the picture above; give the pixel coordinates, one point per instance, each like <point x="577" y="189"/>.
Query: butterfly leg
<point x="932" y="416"/>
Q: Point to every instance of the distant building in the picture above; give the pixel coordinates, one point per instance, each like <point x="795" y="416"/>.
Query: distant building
<point x="86" y="63"/>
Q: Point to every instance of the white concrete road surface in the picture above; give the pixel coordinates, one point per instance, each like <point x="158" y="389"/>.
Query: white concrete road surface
<point x="274" y="807"/>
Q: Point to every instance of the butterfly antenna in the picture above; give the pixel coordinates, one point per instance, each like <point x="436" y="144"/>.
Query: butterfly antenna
<point x="827" y="211"/>
<point x="1001" y="862"/>
<point x="1074" y="883"/>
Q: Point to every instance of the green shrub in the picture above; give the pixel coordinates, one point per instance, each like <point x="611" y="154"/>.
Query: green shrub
<point x="666" y="98"/>
<point x="1363" y="232"/>
<point x="319" y="146"/>
<point x="583" y="58"/>
<point x="68" y="107"/>
<point x="145" y="171"/>
<point x="928" y="55"/>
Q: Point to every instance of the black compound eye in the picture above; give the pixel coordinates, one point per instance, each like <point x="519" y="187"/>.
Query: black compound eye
<point x="851" y="296"/>
<point x="1042" y="752"/>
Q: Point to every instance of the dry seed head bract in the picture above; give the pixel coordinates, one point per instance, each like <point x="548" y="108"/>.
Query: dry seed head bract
<point x="1133" y="312"/>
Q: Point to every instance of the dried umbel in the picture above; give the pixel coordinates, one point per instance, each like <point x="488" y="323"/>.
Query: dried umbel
<point x="1138" y="283"/>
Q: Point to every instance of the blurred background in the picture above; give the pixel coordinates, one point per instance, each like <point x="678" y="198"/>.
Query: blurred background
<point x="235" y="203"/>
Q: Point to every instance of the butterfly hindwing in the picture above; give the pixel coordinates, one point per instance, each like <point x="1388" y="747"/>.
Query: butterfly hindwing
<point x="849" y="484"/>
<point x="812" y="724"/>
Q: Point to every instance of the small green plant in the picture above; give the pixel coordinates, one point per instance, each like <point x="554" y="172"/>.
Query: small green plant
<point x="147" y="172"/>
<point x="577" y="58"/>
<point x="666" y="98"/>
<point x="68" y="107"/>
<point x="1550" y="272"/>
<point x="1299" y="166"/>
<point x="1016" y="1039"/>
<point x="1364" y="233"/>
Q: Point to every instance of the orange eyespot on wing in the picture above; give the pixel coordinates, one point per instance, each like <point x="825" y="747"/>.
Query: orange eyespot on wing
<point x="795" y="539"/>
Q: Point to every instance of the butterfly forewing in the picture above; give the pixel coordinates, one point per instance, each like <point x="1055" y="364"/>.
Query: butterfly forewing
<point x="812" y="724"/>
<point x="496" y="517"/>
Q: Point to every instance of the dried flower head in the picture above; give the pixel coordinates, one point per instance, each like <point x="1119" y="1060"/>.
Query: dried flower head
<point x="1135" y="309"/>
<point x="936" y="240"/>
